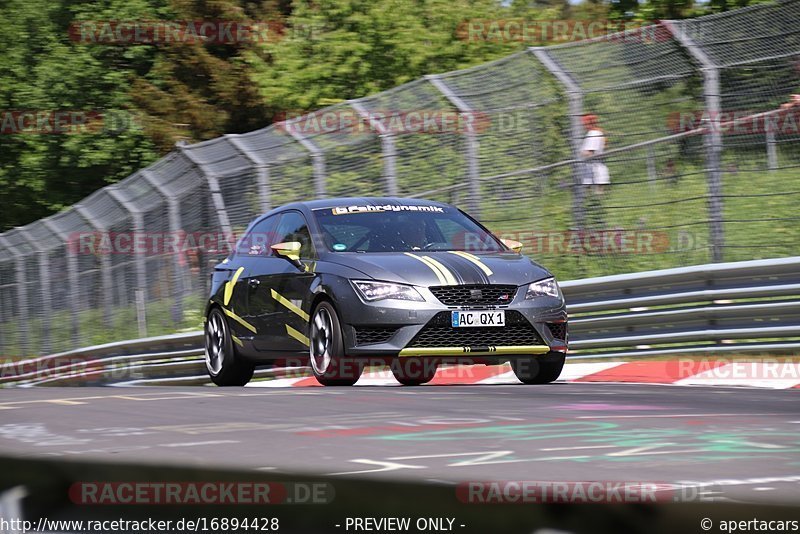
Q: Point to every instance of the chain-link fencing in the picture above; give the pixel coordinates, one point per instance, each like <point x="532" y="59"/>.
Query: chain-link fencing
<point x="701" y="151"/>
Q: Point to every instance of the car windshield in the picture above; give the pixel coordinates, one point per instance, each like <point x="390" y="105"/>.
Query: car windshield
<point x="394" y="228"/>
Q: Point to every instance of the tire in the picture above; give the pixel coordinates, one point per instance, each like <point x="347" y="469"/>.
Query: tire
<point x="326" y="349"/>
<point x="413" y="371"/>
<point x="538" y="369"/>
<point x="224" y="365"/>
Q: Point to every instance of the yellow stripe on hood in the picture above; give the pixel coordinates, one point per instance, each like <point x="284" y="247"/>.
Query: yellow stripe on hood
<point x="451" y="280"/>
<point x="439" y="275"/>
<point x="474" y="259"/>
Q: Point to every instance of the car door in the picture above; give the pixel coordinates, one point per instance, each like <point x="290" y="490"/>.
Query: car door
<point x="234" y="292"/>
<point x="278" y="300"/>
<point x="254" y="253"/>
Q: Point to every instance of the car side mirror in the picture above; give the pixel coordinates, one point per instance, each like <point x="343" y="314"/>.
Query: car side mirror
<point x="516" y="246"/>
<point x="291" y="251"/>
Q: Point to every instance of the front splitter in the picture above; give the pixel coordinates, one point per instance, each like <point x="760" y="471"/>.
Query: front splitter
<point x="490" y="350"/>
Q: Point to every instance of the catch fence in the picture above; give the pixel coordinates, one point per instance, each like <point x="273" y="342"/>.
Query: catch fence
<point x="702" y="154"/>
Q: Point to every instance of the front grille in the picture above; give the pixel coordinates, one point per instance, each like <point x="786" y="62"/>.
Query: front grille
<point x="370" y="335"/>
<point x="474" y="295"/>
<point x="559" y="330"/>
<point x="439" y="333"/>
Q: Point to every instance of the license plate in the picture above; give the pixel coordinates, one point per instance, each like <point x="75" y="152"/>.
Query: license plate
<point x="465" y="319"/>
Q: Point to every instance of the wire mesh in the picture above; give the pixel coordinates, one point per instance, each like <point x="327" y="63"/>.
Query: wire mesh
<point x="10" y="310"/>
<point x="427" y="157"/>
<point x="116" y="253"/>
<point x="757" y="52"/>
<point x="507" y="127"/>
<point x="350" y="148"/>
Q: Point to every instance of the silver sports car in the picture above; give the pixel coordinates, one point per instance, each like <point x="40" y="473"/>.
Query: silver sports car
<point x="346" y="282"/>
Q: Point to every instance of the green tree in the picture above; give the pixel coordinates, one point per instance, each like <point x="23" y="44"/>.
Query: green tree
<point x="42" y="72"/>
<point x="197" y="91"/>
<point x="143" y="97"/>
<point x="339" y="49"/>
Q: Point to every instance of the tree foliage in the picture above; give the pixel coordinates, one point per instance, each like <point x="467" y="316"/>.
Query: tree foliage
<point x="147" y="97"/>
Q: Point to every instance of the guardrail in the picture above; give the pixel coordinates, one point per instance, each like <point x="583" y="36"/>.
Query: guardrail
<point x="751" y="306"/>
<point x="103" y="362"/>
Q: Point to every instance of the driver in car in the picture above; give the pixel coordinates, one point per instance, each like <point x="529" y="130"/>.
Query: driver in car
<point x="414" y="235"/>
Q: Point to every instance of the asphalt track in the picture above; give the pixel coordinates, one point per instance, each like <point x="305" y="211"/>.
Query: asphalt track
<point x="739" y="444"/>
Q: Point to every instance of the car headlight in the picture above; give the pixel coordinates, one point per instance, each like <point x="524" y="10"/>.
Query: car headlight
<point x="372" y="291"/>
<point x="543" y="288"/>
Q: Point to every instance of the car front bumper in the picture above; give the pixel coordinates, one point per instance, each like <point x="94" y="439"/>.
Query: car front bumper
<point x="407" y="319"/>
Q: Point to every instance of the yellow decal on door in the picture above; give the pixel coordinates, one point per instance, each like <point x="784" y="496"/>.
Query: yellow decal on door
<point x="228" y="293"/>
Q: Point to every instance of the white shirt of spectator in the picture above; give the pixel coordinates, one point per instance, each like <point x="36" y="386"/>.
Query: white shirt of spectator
<point x="595" y="142"/>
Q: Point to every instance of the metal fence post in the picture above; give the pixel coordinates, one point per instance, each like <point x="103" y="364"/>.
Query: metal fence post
<point x="213" y="187"/>
<point x="140" y="299"/>
<point x="575" y="103"/>
<point x="105" y="267"/>
<point x="72" y="277"/>
<point x="264" y="192"/>
<point x="22" y="296"/>
<point x="388" y="149"/>
<point x="472" y="145"/>
<point x="4" y="310"/>
<point x="173" y="206"/>
<point x="174" y="215"/>
<point x="24" y="305"/>
<point x="262" y="173"/>
<point x="219" y="205"/>
<point x="139" y="255"/>
<point x="713" y="138"/>
<point x="713" y="156"/>
<point x="652" y="173"/>
<point x="772" y="151"/>
<point x="45" y="307"/>
<point x="317" y="159"/>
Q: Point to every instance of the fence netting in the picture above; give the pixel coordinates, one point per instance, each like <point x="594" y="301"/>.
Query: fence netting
<point x="700" y="146"/>
<point x="756" y="51"/>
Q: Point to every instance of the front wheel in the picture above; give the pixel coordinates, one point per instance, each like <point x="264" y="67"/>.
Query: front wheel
<point x="224" y="365"/>
<point x="326" y="349"/>
<point x="539" y="369"/>
<point x="413" y="371"/>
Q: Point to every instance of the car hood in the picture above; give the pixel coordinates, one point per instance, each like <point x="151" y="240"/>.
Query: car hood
<point x="443" y="268"/>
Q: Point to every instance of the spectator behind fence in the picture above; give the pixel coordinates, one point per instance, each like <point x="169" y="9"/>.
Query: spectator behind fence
<point x="794" y="101"/>
<point x="596" y="172"/>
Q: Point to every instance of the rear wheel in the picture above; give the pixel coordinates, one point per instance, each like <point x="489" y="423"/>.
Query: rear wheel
<point x="326" y="350"/>
<point x="539" y="369"/>
<point x="413" y="371"/>
<point x="224" y="365"/>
